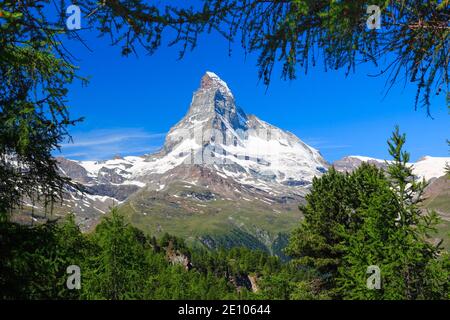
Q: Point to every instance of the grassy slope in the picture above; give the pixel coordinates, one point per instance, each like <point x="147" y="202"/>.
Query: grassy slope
<point x="438" y="199"/>
<point x="229" y="223"/>
<point x="441" y="203"/>
<point x="443" y="232"/>
<point x="226" y="222"/>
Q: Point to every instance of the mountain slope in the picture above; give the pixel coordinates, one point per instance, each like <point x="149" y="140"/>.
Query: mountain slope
<point x="222" y="176"/>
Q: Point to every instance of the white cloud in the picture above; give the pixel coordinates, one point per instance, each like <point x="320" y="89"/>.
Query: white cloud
<point x="106" y="143"/>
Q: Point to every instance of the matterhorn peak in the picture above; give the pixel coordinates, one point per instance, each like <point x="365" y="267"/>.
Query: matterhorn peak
<point x="218" y="149"/>
<point x="210" y="80"/>
<point x="213" y="103"/>
<point x="216" y="128"/>
<point x="212" y="108"/>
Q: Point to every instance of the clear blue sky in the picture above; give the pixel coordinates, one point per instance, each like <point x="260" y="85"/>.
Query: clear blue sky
<point x="130" y="103"/>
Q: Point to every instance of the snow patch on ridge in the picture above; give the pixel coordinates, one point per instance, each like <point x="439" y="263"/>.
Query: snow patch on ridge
<point x="427" y="167"/>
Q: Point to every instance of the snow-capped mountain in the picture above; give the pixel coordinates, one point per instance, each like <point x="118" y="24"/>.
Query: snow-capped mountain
<point x="426" y="167"/>
<point x="430" y="167"/>
<point x="215" y="146"/>
<point x="220" y="151"/>
<point x="222" y="177"/>
<point x="217" y="134"/>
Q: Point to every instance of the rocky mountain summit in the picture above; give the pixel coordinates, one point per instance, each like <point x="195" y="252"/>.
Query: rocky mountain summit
<point x="222" y="177"/>
<point x="216" y="148"/>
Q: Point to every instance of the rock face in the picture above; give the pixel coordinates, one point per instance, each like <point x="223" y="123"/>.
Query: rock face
<point x="176" y="257"/>
<point x="74" y="170"/>
<point x="254" y="283"/>
<point x="348" y="164"/>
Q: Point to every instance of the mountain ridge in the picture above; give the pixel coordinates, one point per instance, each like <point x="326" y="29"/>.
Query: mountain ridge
<point x="426" y="167"/>
<point x="221" y="177"/>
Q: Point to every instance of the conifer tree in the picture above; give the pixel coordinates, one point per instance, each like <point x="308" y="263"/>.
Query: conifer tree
<point x="332" y="211"/>
<point x="370" y="218"/>
<point x="117" y="268"/>
<point x="395" y="237"/>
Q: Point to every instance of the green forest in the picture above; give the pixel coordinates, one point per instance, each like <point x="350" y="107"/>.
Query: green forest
<point x="351" y="221"/>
